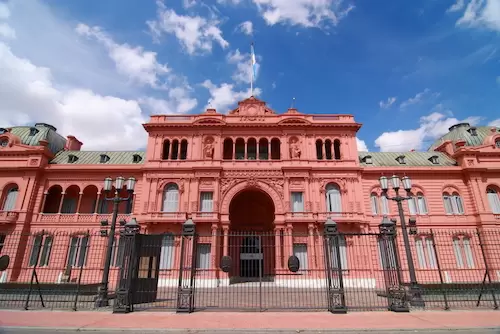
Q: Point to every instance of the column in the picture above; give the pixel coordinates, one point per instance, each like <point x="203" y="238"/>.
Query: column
<point x="43" y="201"/>
<point x="277" y="246"/>
<point x="288" y="249"/>
<point x="269" y="149"/>
<point x="258" y="149"/>
<point x="61" y="203"/>
<point x="234" y="148"/>
<point x="225" y="229"/>
<point x="97" y="202"/>
<point x="245" y="149"/>
<point x="311" y="247"/>
<point x="323" y="153"/>
<point x="214" y="248"/>
<point x="80" y="194"/>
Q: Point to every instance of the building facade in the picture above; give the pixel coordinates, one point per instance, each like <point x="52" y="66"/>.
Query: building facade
<point x="250" y="171"/>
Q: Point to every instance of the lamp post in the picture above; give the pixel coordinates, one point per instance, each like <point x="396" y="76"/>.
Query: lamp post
<point x="103" y="298"/>
<point x="415" y="292"/>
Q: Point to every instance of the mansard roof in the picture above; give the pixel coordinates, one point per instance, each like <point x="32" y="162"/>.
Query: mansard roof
<point x="411" y="159"/>
<point x="94" y="157"/>
<point x="472" y="135"/>
<point x="31" y="135"/>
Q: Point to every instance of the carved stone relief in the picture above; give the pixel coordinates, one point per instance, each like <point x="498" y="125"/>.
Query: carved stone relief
<point x="208" y="148"/>
<point x="295" y="151"/>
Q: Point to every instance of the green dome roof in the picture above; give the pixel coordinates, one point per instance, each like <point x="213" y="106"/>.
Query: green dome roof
<point x="472" y="135"/>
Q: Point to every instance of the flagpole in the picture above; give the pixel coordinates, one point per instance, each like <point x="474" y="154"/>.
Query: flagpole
<point x="251" y="69"/>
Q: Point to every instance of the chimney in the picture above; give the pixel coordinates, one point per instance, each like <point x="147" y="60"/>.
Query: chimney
<point x="73" y="144"/>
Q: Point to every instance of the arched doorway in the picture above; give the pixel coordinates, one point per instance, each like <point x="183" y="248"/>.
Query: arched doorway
<point x="251" y="237"/>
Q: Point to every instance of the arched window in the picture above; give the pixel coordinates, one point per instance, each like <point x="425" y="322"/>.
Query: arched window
<point x="227" y="149"/>
<point x="263" y="149"/>
<point x="384" y="203"/>
<point x="166" y="150"/>
<point x="333" y="198"/>
<point x="10" y="199"/>
<point x="417" y="205"/>
<point x="319" y="149"/>
<point x="422" y="204"/>
<point x="494" y="200"/>
<point x="184" y="149"/>
<point x="171" y="198"/>
<point x="252" y="149"/>
<point x="328" y="149"/>
<point x="275" y="149"/>
<point x="336" y="149"/>
<point x="453" y="204"/>
<point x="175" y="149"/>
<point x="167" y="252"/>
<point x="374" y="203"/>
<point x="412" y="204"/>
<point x="240" y="149"/>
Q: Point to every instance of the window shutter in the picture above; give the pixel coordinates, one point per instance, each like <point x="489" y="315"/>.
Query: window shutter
<point x="412" y="207"/>
<point x="447" y="204"/>
<point x="385" y="205"/>
<point x="167" y="252"/>
<point x="374" y="203"/>
<point x="422" y="205"/>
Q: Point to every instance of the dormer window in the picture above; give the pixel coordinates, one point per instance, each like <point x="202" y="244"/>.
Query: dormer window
<point x="136" y="158"/>
<point x="472" y="131"/>
<point x="72" y="158"/>
<point x="4" y="143"/>
<point x="497" y="143"/>
<point x="104" y="158"/>
<point x="368" y="160"/>
<point x="33" y="131"/>
<point x="401" y="159"/>
<point x="2" y="131"/>
<point x="434" y="159"/>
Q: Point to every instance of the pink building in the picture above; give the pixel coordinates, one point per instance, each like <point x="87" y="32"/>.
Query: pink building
<point x="251" y="170"/>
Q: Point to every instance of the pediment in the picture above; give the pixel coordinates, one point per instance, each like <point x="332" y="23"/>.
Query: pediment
<point x="252" y="107"/>
<point x="209" y="121"/>
<point x="294" y="121"/>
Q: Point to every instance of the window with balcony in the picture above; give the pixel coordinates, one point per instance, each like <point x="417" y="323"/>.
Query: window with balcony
<point x="77" y="252"/>
<point x="425" y="252"/>
<point x="167" y="251"/>
<point x="297" y="201"/>
<point x="170" y="198"/>
<point x="463" y="252"/>
<point x="494" y="200"/>
<point x="453" y="204"/>
<point x="9" y="203"/>
<point x="206" y="201"/>
<point x="40" y="251"/>
<point x="333" y="198"/>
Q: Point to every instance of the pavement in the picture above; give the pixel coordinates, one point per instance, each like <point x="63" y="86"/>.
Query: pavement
<point x="477" y="322"/>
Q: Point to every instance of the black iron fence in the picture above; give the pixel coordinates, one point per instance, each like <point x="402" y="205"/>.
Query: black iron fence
<point x="277" y="270"/>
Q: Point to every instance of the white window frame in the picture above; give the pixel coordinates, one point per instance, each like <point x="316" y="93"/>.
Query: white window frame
<point x="10" y="201"/>
<point x="374" y="203"/>
<point x="297" y="201"/>
<point x="78" y="251"/>
<point x="42" y="244"/>
<point x="447" y="203"/>
<point x="494" y="200"/>
<point x="457" y="204"/>
<point x="333" y="198"/>
<point x="206" y="201"/>
<point x="384" y="205"/>
<point x="426" y="255"/>
<point x="464" y="255"/>
<point x="203" y="256"/>
<point x="167" y="255"/>
<point x="422" y="204"/>
<point x="170" y="198"/>
<point x="344" y="263"/>
<point x="300" y="251"/>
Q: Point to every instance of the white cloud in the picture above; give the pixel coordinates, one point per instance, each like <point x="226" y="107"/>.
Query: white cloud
<point x="138" y="65"/>
<point x="480" y="13"/>
<point x="418" y="98"/>
<point x="246" y="27"/>
<point x="306" y="13"/>
<point x="224" y="96"/>
<point x="4" y="11"/>
<point x="361" y="145"/>
<point x="495" y="123"/>
<point x="29" y="95"/>
<point x="188" y="3"/>
<point x="387" y="104"/>
<point x="243" y="71"/>
<point x="195" y="33"/>
<point x="431" y="127"/>
<point x="232" y="2"/>
<point x="457" y="6"/>
<point x="6" y="31"/>
<point x="179" y="102"/>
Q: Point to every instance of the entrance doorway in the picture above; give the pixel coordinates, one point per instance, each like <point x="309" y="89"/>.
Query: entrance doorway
<point x="251" y="237"/>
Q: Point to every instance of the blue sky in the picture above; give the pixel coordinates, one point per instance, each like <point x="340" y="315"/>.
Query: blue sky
<point x="407" y="70"/>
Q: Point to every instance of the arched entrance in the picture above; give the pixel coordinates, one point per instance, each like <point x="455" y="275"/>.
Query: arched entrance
<point x="251" y="236"/>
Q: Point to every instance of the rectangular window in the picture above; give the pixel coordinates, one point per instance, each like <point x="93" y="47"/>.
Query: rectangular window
<point x="385" y="205"/>
<point x="300" y="251"/>
<point x="42" y="245"/>
<point x="297" y="202"/>
<point x="203" y="256"/>
<point x="206" y="201"/>
<point x="167" y="252"/>
<point x="374" y="203"/>
<point x="425" y="253"/>
<point x="117" y="252"/>
<point x="412" y="206"/>
<point x="77" y="252"/>
<point x="343" y="253"/>
<point x="463" y="253"/>
<point x="422" y="205"/>
<point x="447" y="205"/>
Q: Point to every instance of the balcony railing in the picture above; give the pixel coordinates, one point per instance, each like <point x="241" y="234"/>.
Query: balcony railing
<point x="200" y="216"/>
<point x="78" y="218"/>
<point x="299" y="216"/>
<point x="8" y="217"/>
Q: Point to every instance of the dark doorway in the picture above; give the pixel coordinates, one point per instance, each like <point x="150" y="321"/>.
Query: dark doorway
<point x="251" y="257"/>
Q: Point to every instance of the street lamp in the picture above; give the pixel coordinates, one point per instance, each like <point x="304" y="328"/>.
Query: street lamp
<point x="103" y="298"/>
<point x="415" y="292"/>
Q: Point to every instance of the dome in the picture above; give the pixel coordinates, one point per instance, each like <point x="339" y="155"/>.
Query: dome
<point x="472" y="135"/>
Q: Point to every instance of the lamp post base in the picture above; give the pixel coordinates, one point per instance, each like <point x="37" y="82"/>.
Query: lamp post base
<point x="415" y="295"/>
<point x="102" y="299"/>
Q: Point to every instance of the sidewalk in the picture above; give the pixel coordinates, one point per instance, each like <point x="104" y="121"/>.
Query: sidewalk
<point x="87" y="321"/>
